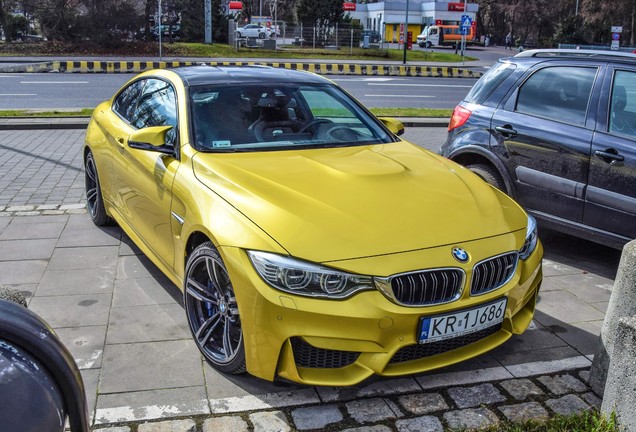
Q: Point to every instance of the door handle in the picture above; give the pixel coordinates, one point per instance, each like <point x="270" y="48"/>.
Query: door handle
<point x="506" y="131"/>
<point x="609" y="156"/>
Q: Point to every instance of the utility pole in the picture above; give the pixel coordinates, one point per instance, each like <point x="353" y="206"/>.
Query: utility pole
<point x="207" y="10"/>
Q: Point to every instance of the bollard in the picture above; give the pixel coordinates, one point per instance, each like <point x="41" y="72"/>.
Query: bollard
<point x="620" y="389"/>
<point x="622" y="304"/>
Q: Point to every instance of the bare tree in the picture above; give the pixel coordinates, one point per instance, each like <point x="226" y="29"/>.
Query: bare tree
<point x="59" y="19"/>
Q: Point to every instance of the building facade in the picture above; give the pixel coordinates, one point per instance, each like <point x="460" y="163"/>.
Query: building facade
<point x="386" y="17"/>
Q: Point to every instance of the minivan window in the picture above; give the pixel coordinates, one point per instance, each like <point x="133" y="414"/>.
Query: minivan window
<point x="561" y="93"/>
<point x="489" y="82"/>
<point x="623" y="105"/>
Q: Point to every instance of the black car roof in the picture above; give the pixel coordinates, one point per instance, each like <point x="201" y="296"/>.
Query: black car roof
<point x="202" y="75"/>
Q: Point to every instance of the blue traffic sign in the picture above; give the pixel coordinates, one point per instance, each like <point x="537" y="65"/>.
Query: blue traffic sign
<point x="466" y="21"/>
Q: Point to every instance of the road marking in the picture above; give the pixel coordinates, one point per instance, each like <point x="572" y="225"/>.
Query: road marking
<point x="398" y="96"/>
<point x="18" y="94"/>
<point x="421" y="85"/>
<point x="54" y="82"/>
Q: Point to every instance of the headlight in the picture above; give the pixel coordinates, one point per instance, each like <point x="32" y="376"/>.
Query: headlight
<point x="532" y="237"/>
<point x="307" y="279"/>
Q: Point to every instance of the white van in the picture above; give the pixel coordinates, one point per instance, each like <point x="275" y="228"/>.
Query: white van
<point x="436" y="35"/>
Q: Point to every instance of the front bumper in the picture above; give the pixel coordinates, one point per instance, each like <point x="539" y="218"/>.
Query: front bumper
<point x="343" y="342"/>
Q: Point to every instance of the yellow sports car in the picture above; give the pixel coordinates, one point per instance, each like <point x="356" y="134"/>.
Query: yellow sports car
<point x="310" y="242"/>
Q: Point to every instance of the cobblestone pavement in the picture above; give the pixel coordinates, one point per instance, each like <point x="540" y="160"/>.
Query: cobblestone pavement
<point x="124" y="323"/>
<point x="41" y="169"/>
<point x="424" y="409"/>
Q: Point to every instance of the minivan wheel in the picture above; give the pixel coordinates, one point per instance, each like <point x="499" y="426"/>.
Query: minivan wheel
<point x="489" y="174"/>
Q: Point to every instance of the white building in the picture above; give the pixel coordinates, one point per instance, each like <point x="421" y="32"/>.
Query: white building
<point x="386" y="17"/>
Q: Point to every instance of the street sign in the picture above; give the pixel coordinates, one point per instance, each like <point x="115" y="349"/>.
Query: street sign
<point x="466" y="21"/>
<point x="616" y="36"/>
<point x="617" y="29"/>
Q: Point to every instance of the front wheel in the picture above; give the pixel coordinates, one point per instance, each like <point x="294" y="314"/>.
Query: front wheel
<point x="428" y="44"/>
<point x="212" y="310"/>
<point x="261" y="35"/>
<point x="489" y="174"/>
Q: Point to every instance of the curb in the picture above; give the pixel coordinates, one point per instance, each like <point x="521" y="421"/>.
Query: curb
<point x="319" y="68"/>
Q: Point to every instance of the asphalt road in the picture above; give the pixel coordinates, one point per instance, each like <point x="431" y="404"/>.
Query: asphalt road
<point x="76" y="91"/>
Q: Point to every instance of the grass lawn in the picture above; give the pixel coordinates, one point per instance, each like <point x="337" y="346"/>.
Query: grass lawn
<point x="217" y="50"/>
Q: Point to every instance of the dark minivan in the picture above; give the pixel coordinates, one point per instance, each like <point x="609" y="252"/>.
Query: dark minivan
<point x="556" y="130"/>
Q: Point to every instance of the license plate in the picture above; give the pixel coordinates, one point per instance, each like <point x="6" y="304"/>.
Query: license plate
<point x="466" y="321"/>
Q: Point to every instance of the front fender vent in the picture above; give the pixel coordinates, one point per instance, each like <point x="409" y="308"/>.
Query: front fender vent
<point x="308" y="356"/>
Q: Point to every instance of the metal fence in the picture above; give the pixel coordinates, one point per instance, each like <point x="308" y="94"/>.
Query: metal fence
<point x="340" y="37"/>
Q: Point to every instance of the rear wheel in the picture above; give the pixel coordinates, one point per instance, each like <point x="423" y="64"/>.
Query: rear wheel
<point x="261" y="35"/>
<point x="489" y="174"/>
<point x="212" y="310"/>
<point x="94" y="200"/>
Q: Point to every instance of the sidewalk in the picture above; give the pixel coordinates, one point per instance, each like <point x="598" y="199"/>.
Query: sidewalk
<point x="125" y="325"/>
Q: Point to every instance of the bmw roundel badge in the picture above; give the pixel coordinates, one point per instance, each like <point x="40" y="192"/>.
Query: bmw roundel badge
<point x="460" y="254"/>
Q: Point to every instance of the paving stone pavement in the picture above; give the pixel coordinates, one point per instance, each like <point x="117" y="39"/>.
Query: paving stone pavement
<point x="124" y="323"/>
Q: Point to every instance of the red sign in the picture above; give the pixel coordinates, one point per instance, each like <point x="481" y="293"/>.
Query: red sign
<point x="439" y="22"/>
<point x="234" y="5"/>
<point x="456" y="7"/>
<point x="349" y="6"/>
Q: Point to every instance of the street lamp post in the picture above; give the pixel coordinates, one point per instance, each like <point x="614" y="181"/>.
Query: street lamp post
<point x="159" y="29"/>
<point x="406" y="31"/>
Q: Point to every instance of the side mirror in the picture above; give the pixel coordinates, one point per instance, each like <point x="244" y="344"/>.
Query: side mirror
<point x="151" y="138"/>
<point x="394" y="125"/>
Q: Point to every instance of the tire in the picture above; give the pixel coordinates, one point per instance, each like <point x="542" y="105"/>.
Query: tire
<point x="428" y="44"/>
<point x="94" y="201"/>
<point x="261" y="35"/>
<point x="489" y="174"/>
<point x="212" y="310"/>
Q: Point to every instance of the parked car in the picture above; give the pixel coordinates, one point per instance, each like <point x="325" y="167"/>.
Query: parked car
<point x="556" y="130"/>
<point x="374" y="36"/>
<point x="253" y="30"/>
<point x="38" y="374"/>
<point x="165" y="31"/>
<point x="309" y="240"/>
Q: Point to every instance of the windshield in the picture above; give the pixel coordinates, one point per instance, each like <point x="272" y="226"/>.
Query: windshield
<point x="256" y="117"/>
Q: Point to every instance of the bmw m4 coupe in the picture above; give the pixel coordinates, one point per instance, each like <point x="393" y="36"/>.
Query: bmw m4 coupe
<point x="311" y="243"/>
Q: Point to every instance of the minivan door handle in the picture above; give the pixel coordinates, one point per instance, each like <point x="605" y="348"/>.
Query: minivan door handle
<point x="507" y="131"/>
<point x="609" y="155"/>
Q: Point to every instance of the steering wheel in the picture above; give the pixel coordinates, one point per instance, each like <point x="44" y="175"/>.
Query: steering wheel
<point x="313" y="123"/>
<point x="339" y="132"/>
<point x="260" y="126"/>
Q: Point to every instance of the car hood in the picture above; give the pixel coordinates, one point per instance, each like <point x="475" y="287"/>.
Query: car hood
<point x="340" y="203"/>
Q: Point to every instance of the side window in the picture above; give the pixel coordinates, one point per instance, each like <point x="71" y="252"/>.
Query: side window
<point x="126" y="101"/>
<point x="157" y="107"/>
<point x="561" y="93"/>
<point x="623" y="104"/>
